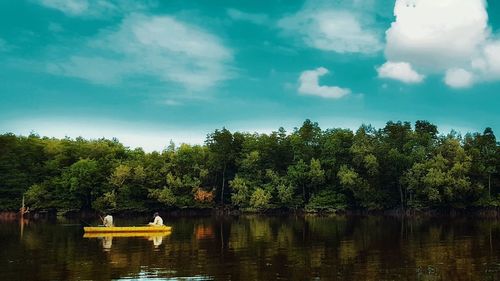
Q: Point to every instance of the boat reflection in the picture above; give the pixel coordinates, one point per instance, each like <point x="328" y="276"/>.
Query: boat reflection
<point x="107" y="238"/>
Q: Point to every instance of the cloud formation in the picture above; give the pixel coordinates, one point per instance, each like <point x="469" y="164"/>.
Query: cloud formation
<point x="449" y="37"/>
<point x="309" y="85"/>
<point x="158" y="46"/>
<point x="487" y="63"/>
<point x="332" y="28"/>
<point x="436" y="35"/>
<point x="69" y="7"/>
<point x="401" y="71"/>
<point x="249" y="17"/>
<point x="95" y="8"/>
<point x="458" y="78"/>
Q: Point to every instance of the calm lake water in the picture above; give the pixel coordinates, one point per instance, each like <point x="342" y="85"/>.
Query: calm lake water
<point x="257" y="248"/>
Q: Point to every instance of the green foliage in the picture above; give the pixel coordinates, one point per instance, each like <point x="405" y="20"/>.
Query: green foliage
<point x="316" y="173"/>
<point x="260" y="199"/>
<point x="241" y="192"/>
<point x="38" y="197"/>
<point x="443" y="179"/>
<point x="120" y="175"/>
<point x="298" y="176"/>
<point x="396" y="166"/>
<point x="164" y="196"/>
<point x="82" y="181"/>
<point x="223" y="150"/>
<point x="363" y="193"/>
<point x="327" y="200"/>
<point x="105" y="203"/>
<point x="285" y="195"/>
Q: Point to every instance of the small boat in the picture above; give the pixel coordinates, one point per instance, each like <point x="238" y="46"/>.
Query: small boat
<point x="121" y="229"/>
<point x="126" y="234"/>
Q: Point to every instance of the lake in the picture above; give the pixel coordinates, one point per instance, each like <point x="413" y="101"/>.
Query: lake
<point x="257" y="248"/>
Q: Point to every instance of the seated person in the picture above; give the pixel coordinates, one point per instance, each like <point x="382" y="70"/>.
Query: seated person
<point x="158" y="221"/>
<point x="107" y="221"/>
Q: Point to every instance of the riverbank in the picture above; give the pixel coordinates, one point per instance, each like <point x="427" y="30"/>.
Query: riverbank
<point x="225" y="211"/>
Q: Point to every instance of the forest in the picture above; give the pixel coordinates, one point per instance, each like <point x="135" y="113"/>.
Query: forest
<point x="401" y="166"/>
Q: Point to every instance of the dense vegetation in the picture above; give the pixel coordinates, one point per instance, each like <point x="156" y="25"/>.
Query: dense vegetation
<point x="396" y="167"/>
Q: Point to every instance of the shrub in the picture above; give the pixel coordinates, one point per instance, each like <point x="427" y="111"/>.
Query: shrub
<point x="260" y="199"/>
<point x="327" y="200"/>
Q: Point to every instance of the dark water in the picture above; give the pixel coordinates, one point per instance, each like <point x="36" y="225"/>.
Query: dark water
<point x="258" y="248"/>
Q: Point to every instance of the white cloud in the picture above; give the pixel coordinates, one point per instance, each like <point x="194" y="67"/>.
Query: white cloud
<point x="69" y="7"/>
<point x="309" y="85"/>
<point x="450" y="37"/>
<point x="250" y="17"/>
<point x="488" y="62"/>
<point x="458" y="78"/>
<point x="401" y="71"/>
<point x="332" y="29"/>
<point x="96" y="8"/>
<point x="436" y="34"/>
<point x="159" y="46"/>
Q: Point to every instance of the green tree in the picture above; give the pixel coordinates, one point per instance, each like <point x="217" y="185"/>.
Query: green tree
<point x="224" y="148"/>
<point x="392" y="167"/>
<point x="305" y="141"/>
<point x="443" y="179"/>
<point x="242" y="192"/>
<point x="260" y="199"/>
<point x="83" y="181"/>
<point x="298" y="176"/>
<point x="316" y="175"/>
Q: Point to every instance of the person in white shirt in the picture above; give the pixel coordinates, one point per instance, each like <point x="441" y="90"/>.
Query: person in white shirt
<point x="107" y="221"/>
<point x="158" y="221"/>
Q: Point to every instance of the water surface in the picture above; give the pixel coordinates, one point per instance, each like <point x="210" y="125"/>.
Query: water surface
<point x="257" y="248"/>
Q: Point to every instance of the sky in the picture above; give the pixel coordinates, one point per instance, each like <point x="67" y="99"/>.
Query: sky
<point x="147" y="72"/>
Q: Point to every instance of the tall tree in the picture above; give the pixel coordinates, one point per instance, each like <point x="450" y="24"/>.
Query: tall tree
<point x="224" y="148"/>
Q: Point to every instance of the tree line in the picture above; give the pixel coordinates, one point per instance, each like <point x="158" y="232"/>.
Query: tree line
<point x="399" y="166"/>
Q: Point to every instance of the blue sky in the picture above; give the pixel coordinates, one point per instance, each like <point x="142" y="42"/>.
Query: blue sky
<point x="147" y="72"/>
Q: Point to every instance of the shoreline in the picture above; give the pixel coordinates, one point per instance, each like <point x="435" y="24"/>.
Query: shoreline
<point x="493" y="212"/>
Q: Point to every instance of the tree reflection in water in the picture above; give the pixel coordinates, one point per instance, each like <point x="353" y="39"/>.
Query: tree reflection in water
<point x="262" y="248"/>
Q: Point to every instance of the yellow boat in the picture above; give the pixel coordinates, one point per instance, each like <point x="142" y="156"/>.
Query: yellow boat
<point x="125" y="229"/>
<point x="126" y="234"/>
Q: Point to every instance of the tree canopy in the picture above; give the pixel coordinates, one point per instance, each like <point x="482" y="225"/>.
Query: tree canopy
<point x="399" y="166"/>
